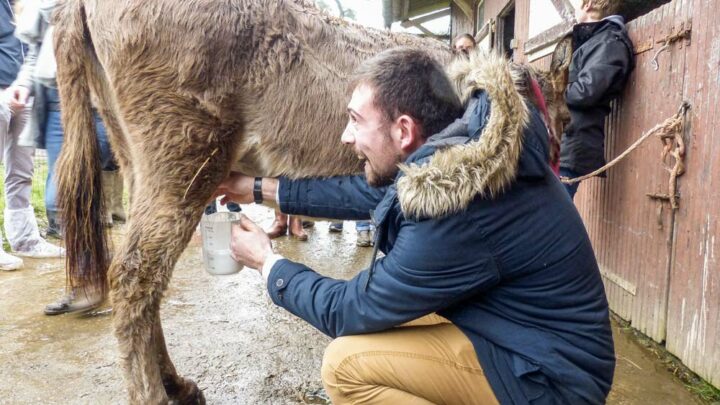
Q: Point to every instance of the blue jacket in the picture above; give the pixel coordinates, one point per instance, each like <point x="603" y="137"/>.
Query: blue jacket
<point x="11" y="51"/>
<point x="514" y="271"/>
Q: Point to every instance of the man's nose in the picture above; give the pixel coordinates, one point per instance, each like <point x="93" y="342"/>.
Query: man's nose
<point x="348" y="136"/>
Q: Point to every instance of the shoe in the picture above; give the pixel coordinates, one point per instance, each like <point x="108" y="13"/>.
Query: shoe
<point x="9" y="262"/>
<point x="75" y="301"/>
<point x="335" y="227"/>
<point x="40" y="249"/>
<point x="364" y="238"/>
<point x="53" y="233"/>
<point x="53" y="229"/>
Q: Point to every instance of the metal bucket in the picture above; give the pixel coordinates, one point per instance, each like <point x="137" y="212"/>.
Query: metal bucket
<point x="216" y="234"/>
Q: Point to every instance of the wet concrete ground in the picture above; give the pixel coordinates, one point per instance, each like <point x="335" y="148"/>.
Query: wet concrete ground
<point x="222" y="331"/>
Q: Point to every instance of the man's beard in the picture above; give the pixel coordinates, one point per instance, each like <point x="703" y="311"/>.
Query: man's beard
<point x="382" y="178"/>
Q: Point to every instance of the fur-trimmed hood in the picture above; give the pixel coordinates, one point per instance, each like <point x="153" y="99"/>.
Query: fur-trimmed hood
<point x="448" y="181"/>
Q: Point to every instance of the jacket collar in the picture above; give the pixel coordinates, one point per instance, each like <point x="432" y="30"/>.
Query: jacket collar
<point x="451" y="169"/>
<point x="582" y="32"/>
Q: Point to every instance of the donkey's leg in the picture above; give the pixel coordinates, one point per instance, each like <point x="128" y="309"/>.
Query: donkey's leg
<point x="180" y="390"/>
<point x="140" y="274"/>
<point x="181" y="162"/>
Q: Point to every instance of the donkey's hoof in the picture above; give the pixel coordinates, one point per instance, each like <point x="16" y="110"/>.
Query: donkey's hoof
<point x="185" y="393"/>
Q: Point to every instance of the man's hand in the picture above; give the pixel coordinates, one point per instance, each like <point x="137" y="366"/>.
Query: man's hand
<point x="18" y="98"/>
<point x="237" y="188"/>
<point x="250" y="245"/>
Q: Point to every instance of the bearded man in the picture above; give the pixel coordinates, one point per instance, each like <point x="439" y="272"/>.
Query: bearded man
<point x="489" y="291"/>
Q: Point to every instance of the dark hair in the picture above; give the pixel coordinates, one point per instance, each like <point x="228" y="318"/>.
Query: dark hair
<point x="409" y="81"/>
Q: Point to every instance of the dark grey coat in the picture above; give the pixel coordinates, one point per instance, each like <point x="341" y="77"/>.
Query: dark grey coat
<point x="601" y="63"/>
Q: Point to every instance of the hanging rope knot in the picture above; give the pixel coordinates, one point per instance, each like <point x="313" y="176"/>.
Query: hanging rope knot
<point x="670" y="133"/>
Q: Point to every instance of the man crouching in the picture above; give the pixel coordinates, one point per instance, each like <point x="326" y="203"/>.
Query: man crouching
<point x="489" y="291"/>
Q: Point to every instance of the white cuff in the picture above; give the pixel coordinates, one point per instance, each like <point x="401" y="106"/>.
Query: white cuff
<point x="269" y="263"/>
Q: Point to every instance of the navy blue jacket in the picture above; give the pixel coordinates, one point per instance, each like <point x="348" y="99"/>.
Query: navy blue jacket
<point x="11" y="51"/>
<point x="516" y="274"/>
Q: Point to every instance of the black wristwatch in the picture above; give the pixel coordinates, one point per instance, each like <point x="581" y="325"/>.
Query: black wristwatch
<point x="257" y="190"/>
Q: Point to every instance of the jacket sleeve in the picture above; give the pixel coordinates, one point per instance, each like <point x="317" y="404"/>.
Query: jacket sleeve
<point x="26" y="74"/>
<point x="411" y="281"/>
<point x="342" y="197"/>
<point x="604" y="66"/>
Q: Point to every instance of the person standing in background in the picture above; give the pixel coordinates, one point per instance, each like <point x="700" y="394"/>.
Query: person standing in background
<point x="46" y="130"/>
<point x="20" y="224"/>
<point x="601" y="63"/>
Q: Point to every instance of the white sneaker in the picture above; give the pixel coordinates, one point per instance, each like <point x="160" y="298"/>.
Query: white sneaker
<point x="41" y="249"/>
<point x="9" y="262"/>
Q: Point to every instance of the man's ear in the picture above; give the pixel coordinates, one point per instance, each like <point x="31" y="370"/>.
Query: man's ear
<point x="410" y="133"/>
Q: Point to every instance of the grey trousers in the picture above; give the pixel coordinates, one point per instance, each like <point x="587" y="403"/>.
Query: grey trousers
<point x="18" y="159"/>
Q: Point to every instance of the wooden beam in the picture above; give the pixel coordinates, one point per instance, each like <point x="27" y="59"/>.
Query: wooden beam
<point x="548" y="37"/>
<point x="421" y="20"/>
<point x="412" y="23"/>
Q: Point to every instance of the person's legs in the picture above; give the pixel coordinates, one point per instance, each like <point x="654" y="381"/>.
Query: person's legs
<point x="7" y="261"/>
<point x="432" y="364"/>
<point x="296" y="228"/>
<point x="21" y="226"/>
<point x="571" y="188"/>
<point x="364" y="233"/>
<point x="53" y="143"/>
<point x="112" y="180"/>
<point x="279" y="226"/>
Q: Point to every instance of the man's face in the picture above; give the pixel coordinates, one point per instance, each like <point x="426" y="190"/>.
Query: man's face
<point x="371" y="137"/>
<point x="463" y="45"/>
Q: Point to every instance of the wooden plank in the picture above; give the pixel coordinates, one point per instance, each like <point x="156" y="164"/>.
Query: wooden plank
<point x="414" y="22"/>
<point x="694" y="319"/>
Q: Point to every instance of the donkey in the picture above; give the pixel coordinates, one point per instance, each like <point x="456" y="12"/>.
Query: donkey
<point x="189" y="90"/>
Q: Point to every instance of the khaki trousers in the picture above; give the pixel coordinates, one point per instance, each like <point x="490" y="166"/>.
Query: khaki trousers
<point x="426" y="361"/>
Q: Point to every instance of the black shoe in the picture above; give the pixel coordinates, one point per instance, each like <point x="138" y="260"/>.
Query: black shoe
<point x="53" y="229"/>
<point x="335" y="227"/>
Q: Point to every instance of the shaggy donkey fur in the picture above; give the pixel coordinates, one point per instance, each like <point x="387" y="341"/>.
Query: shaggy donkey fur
<point x="190" y="89"/>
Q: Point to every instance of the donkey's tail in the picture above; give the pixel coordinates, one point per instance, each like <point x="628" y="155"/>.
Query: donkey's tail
<point x="78" y="168"/>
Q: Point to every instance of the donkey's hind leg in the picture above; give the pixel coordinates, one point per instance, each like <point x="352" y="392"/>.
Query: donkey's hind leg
<point x="180" y="391"/>
<point x="171" y="189"/>
<point x="140" y="274"/>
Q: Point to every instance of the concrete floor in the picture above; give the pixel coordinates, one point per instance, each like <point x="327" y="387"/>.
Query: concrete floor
<point x="222" y="331"/>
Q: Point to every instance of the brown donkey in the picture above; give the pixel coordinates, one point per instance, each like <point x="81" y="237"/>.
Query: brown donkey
<point x="188" y="90"/>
